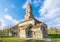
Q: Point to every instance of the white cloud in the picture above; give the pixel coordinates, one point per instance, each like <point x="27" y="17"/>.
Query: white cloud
<point x="2" y="24"/>
<point x="58" y="25"/>
<point x="6" y="21"/>
<point x="6" y="9"/>
<point x="13" y="6"/>
<point x="8" y="17"/>
<point x="53" y="13"/>
<point x="50" y="12"/>
<point x="49" y="5"/>
<point x="11" y="19"/>
<point x="26" y="3"/>
<point x="34" y="2"/>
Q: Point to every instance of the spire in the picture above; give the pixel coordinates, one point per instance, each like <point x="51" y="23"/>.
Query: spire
<point x="28" y="9"/>
<point x="29" y="14"/>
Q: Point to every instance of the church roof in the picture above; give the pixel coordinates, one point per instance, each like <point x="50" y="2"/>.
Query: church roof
<point x="26" y="26"/>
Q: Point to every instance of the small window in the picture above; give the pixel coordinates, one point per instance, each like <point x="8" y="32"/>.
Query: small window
<point x="21" y="26"/>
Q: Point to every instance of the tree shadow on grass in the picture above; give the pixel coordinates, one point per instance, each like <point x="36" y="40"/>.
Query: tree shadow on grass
<point x="54" y="35"/>
<point x="5" y="36"/>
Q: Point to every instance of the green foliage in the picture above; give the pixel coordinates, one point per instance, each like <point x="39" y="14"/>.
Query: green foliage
<point x="55" y="37"/>
<point x="5" y="30"/>
<point x="53" y="31"/>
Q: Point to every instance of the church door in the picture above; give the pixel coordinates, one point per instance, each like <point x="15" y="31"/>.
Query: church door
<point x="28" y="32"/>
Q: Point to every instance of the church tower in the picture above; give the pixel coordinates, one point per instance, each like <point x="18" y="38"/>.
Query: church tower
<point x="29" y="14"/>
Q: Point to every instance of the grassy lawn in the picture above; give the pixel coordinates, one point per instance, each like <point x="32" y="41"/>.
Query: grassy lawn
<point x="54" y="38"/>
<point x="19" y="40"/>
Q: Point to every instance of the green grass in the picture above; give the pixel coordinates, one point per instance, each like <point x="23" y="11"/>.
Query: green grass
<point x="54" y="38"/>
<point x="19" y="40"/>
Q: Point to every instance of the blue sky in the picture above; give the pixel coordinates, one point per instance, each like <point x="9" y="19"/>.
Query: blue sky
<point x="12" y="11"/>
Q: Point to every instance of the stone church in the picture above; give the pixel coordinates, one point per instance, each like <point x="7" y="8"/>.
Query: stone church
<point x="29" y="27"/>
